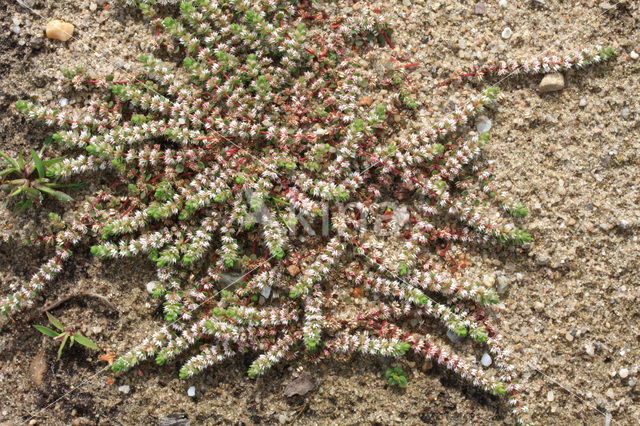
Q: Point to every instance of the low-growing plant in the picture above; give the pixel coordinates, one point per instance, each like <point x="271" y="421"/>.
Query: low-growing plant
<point x="28" y="180"/>
<point x="396" y="376"/>
<point x="64" y="335"/>
<point x="254" y="177"/>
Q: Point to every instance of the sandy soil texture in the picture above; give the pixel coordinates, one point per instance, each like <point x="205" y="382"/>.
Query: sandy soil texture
<point x="570" y="304"/>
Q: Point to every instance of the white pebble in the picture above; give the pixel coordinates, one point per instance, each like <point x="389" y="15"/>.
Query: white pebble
<point x="191" y="391"/>
<point x="583" y="103"/>
<point x="151" y="286"/>
<point x="634" y="55"/>
<point x="625" y="112"/>
<point x="124" y="388"/>
<point x="624" y="373"/>
<point x="502" y="3"/>
<point x="486" y="360"/>
<point x="507" y="33"/>
<point x="483" y="124"/>
<point x="63" y="102"/>
<point x="266" y="291"/>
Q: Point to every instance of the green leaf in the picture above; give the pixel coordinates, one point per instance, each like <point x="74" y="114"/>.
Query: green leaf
<point x="38" y="162"/>
<point x="402" y="381"/>
<point x="64" y="342"/>
<point x="10" y="160"/>
<point x="61" y="196"/>
<point x="55" y="321"/>
<point x="16" y="192"/>
<point x="9" y="171"/>
<point x="46" y="330"/>
<point x="85" y="342"/>
<point x="52" y="161"/>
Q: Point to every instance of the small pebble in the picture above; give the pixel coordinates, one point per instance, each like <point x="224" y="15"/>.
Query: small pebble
<point x="151" y="286"/>
<point x="625" y="112"/>
<point x="485" y="360"/>
<point x="583" y="103"/>
<point x="124" y="388"/>
<point x="503" y="284"/>
<point x="550" y="396"/>
<point x="16" y="29"/>
<point x="293" y="270"/>
<point x="633" y="55"/>
<point x="538" y="306"/>
<point x="551" y="83"/>
<point x="266" y="291"/>
<point x="59" y="30"/>
<point x="507" y="33"/>
<point x="479" y="9"/>
<point x="93" y="7"/>
<point x="483" y="124"/>
<point x="366" y="101"/>
<point x="623" y="373"/>
<point x="606" y="6"/>
<point x="569" y="337"/>
<point x="503" y="3"/>
<point x="589" y="349"/>
<point x="454" y="337"/>
<point x="191" y="391"/>
<point x="64" y="102"/>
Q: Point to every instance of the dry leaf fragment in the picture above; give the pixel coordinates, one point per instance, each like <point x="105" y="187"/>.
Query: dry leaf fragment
<point x="108" y="357"/>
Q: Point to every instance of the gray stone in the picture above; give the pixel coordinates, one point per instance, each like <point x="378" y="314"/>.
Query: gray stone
<point x="454" y="337"/>
<point x="483" y="124"/>
<point x="300" y="386"/>
<point x="479" y="8"/>
<point x="266" y="291"/>
<point x="551" y="83"/>
<point x="175" y="420"/>
<point x="503" y="284"/>
<point x="542" y="259"/>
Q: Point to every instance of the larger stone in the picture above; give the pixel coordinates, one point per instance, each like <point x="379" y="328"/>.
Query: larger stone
<point x="59" y="30"/>
<point x="300" y="386"/>
<point x="551" y="83"/>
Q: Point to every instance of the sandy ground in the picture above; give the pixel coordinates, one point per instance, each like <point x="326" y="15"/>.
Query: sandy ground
<point x="570" y="314"/>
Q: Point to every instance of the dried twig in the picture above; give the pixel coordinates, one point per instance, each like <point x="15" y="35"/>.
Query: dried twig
<point x="49" y="306"/>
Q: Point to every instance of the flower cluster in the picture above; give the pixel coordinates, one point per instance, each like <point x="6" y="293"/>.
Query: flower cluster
<point x="250" y="176"/>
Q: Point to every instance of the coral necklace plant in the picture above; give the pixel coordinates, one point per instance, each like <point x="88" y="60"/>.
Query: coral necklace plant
<point x="257" y="158"/>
